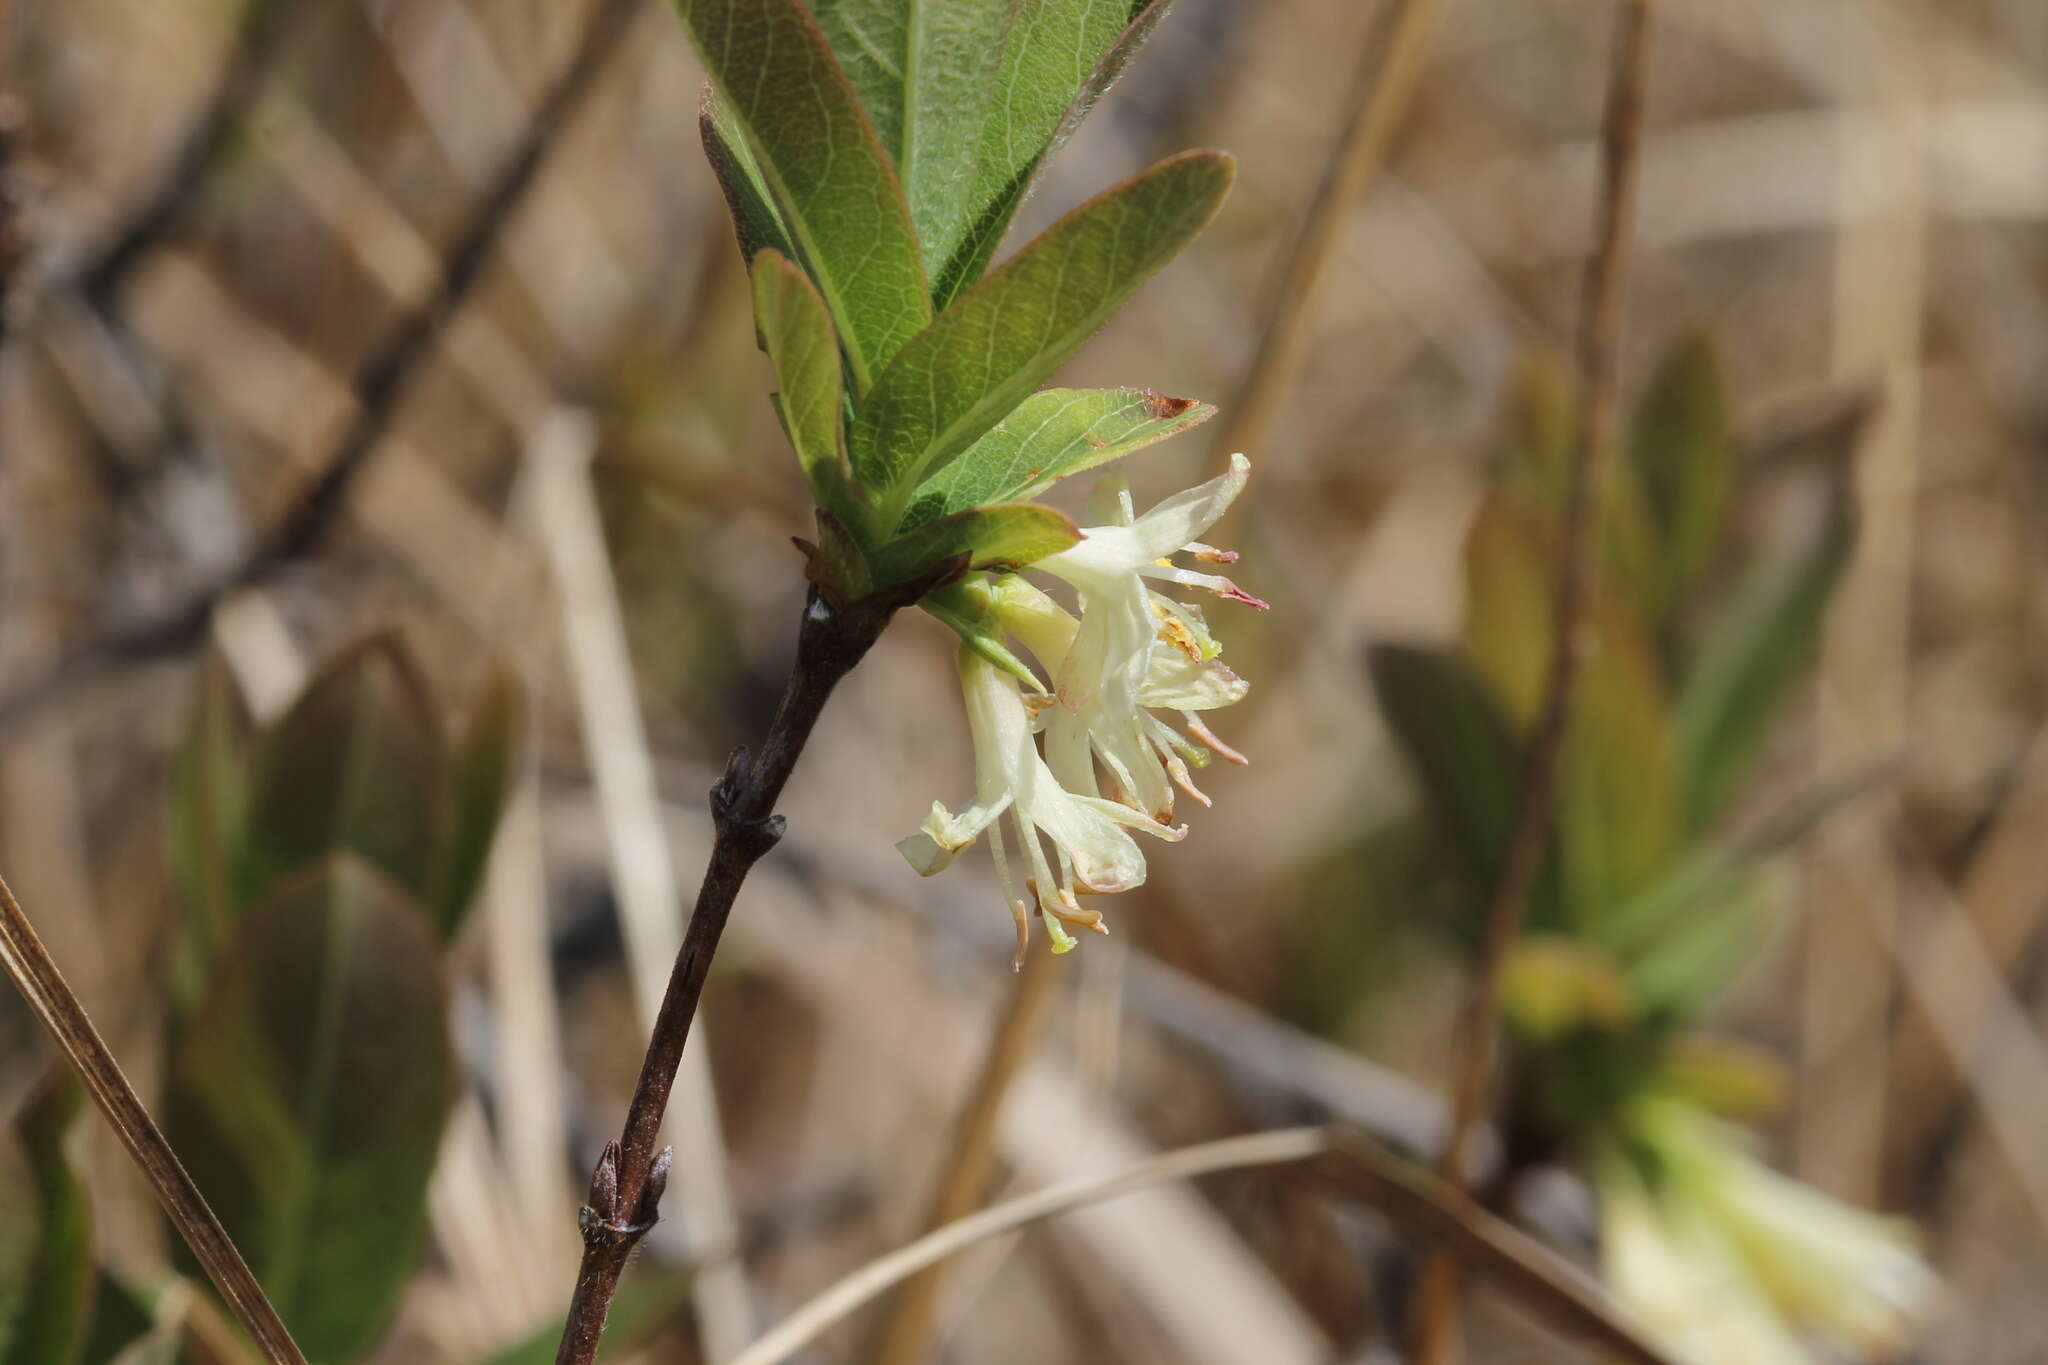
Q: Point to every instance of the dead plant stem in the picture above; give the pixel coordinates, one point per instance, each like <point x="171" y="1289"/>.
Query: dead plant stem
<point x="35" y="974"/>
<point x="1342" y="1159"/>
<point x="1476" y="1041"/>
<point x="1385" y="84"/>
<point x="971" y="1160"/>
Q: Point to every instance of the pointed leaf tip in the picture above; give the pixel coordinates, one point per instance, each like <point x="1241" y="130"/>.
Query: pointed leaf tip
<point x="984" y="355"/>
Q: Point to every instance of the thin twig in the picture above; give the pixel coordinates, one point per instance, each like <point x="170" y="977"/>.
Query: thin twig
<point x="972" y="1157"/>
<point x="265" y="28"/>
<point x="806" y="1323"/>
<point x="35" y="974"/>
<point x="1419" y="1205"/>
<point x="1431" y="1211"/>
<point x="626" y="1187"/>
<point x="1387" y="76"/>
<point x="1476" y="1041"/>
<point x="380" y="384"/>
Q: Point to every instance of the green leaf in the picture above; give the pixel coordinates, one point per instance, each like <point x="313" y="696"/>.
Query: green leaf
<point x="1062" y="55"/>
<point x="824" y="169"/>
<point x="480" y="779"/>
<point x="984" y="355"/>
<point x="1684" y="460"/>
<point x="1552" y="985"/>
<point x="1747" y="663"/>
<point x="796" y="332"/>
<point x="1684" y="936"/>
<point x="354" y="764"/>
<point x="1538" y="443"/>
<point x="307" y="1098"/>
<point x="1706" y="942"/>
<point x="754" y="219"/>
<point x="1726" y="1076"/>
<point x="121" y="1319"/>
<point x="162" y="1344"/>
<point x="1051" y="435"/>
<point x="208" y="797"/>
<point x="1618" y="786"/>
<point x="1010" y="535"/>
<point x="1466" y="758"/>
<point x="46" y="1260"/>
<point x="926" y="71"/>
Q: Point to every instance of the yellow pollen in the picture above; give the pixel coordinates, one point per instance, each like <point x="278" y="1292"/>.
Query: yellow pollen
<point x="1175" y="632"/>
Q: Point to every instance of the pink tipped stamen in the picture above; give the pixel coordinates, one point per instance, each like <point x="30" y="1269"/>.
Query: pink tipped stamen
<point x="1209" y="554"/>
<point x="1215" y="583"/>
<point x="1207" y="736"/>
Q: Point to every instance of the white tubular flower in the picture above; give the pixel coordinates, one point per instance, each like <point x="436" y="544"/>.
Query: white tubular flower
<point x="1135" y="648"/>
<point x="1677" y="1274"/>
<point x="1850" y="1277"/>
<point x="1738" y="1232"/>
<point x="1088" y="834"/>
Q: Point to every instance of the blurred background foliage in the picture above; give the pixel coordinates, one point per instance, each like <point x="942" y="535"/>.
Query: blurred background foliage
<point x="1796" y="878"/>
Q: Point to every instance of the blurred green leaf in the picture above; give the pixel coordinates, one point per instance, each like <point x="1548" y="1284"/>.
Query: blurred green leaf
<point x="796" y="331"/>
<point x="308" y="1094"/>
<point x="1537" y="443"/>
<point x="1700" y="953"/>
<point x="1060" y="58"/>
<point x="1588" y="1076"/>
<point x="354" y="764"/>
<point x="162" y="1344"/>
<point x="1509" y="586"/>
<point x="1466" y="758"/>
<point x="1684" y="460"/>
<point x="126" y="1325"/>
<point x="46" y="1263"/>
<point x="754" y="219"/>
<point x="1734" y="1079"/>
<point x="648" y="1303"/>
<point x="1748" y="662"/>
<point x="208" y="797"/>
<point x="983" y="356"/>
<point x="1051" y="435"/>
<point x="1010" y="534"/>
<point x="926" y="73"/>
<point x="479" y="780"/>
<point x="1538" y="429"/>
<point x="1618" y="793"/>
<point x="1552" y="985"/>
<point x="1684" y="937"/>
<point x="825" y="170"/>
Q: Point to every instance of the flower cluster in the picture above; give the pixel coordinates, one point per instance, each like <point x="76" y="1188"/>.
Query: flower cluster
<point x="1083" y="764"/>
<point x="1730" y="1263"/>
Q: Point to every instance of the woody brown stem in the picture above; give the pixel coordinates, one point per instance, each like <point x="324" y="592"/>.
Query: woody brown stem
<point x="626" y="1186"/>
